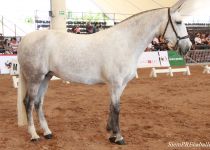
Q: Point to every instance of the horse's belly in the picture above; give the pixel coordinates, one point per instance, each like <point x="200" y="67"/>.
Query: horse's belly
<point x="84" y="78"/>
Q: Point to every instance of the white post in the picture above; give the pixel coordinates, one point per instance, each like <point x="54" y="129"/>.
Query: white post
<point x="188" y="70"/>
<point x="58" y="16"/>
<point x="170" y="72"/>
<point x="206" y="69"/>
<point x="153" y="73"/>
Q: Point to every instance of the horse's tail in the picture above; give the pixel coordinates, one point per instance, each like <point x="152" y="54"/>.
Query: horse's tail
<point x="22" y="119"/>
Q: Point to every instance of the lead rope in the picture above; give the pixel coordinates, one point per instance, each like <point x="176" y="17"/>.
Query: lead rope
<point x="170" y="21"/>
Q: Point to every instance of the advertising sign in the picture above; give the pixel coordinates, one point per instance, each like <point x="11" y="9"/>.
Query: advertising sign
<point x="149" y="59"/>
<point x="6" y="63"/>
<point x="175" y="59"/>
<point x="164" y="58"/>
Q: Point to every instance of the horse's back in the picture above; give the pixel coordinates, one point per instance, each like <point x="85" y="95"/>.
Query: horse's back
<point x="80" y="58"/>
<point x="68" y="56"/>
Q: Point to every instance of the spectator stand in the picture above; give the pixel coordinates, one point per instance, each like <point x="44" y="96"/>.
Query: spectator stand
<point x="83" y="24"/>
<point x="45" y="24"/>
<point x="42" y="20"/>
<point x="198" y="28"/>
<point x="200" y="53"/>
<point x="75" y="19"/>
<point x="42" y="24"/>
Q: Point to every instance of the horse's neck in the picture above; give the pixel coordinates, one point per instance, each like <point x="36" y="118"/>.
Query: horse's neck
<point x="143" y="28"/>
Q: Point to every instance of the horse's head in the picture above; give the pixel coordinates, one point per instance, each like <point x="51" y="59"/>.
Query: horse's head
<point x="175" y="30"/>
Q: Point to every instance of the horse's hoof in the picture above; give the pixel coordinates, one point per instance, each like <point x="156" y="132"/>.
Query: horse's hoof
<point x="48" y="136"/>
<point x="112" y="139"/>
<point x="120" y="142"/>
<point x="35" y="140"/>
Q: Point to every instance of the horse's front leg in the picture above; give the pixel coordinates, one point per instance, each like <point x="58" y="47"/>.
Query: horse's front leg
<point x="113" y="120"/>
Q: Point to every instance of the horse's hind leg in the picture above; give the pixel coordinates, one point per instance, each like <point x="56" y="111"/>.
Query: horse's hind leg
<point x="113" y="121"/>
<point x="39" y="103"/>
<point x="30" y="98"/>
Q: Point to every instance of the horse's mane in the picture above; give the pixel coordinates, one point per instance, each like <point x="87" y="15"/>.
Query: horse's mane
<point x="141" y="13"/>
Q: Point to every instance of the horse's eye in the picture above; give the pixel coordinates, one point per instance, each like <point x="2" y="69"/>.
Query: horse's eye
<point x="178" y="22"/>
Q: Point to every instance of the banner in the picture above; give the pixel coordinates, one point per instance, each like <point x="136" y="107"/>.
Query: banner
<point x="149" y="59"/>
<point x="6" y="62"/>
<point x="164" y="58"/>
<point x="146" y="60"/>
<point x="175" y="59"/>
<point x="160" y="59"/>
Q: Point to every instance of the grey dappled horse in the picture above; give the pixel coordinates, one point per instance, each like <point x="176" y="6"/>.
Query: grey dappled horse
<point x="109" y="56"/>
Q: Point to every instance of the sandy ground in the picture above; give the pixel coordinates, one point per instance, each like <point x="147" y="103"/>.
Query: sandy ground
<point x="155" y="113"/>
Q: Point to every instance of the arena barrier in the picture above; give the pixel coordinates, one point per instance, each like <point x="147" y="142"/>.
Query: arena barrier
<point x="14" y="72"/>
<point x="162" y="62"/>
<point x="9" y="65"/>
<point x="6" y="62"/>
<point x="170" y="71"/>
<point x="199" y="57"/>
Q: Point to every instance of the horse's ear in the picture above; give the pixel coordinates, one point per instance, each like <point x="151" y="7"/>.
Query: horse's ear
<point x="177" y="6"/>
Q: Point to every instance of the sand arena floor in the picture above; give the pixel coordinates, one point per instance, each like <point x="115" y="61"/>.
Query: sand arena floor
<point x="154" y="113"/>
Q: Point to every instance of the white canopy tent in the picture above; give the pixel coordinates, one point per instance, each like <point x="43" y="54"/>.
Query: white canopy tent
<point x="124" y="8"/>
<point x="194" y="11"/>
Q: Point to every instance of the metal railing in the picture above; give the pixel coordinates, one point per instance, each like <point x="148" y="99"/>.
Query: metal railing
<point x="195" y="57"/>
<point x="11" y="27"/>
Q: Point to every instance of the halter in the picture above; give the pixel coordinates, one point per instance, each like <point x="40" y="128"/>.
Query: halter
<point x="177" y="36"/>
